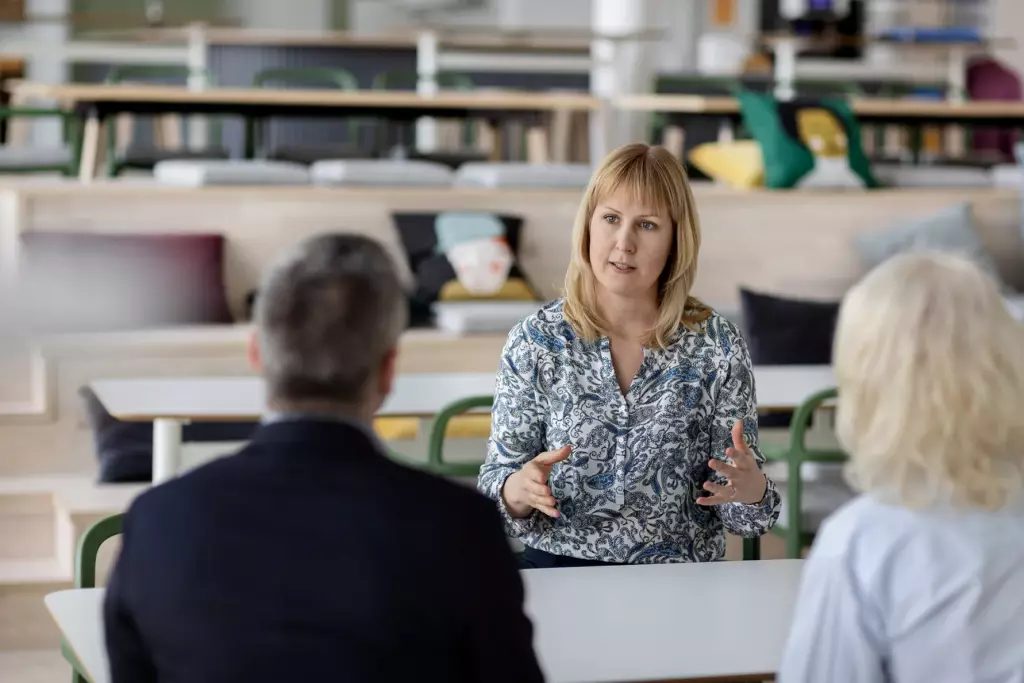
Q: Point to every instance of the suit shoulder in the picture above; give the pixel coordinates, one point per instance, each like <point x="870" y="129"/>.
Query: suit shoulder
<point x="175" y="492"/>
<point x="443" y="498"/>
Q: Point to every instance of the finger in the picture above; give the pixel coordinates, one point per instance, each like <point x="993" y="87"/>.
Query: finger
<point x="737" y="437"/>
<point x="742" y="460"/>
<point x="536" y="474"/>
<point x="543" y="501"/>
<point x="548" y="510"/>
<point x="713" y="500"/>
<point x="719" y="489"/>
<point x="536" y="489"/>
<point x="551" y="457"/>
<point x="723" y="468"/>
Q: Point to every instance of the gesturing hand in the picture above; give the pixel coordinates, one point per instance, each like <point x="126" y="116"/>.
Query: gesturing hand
<point x="528" y="489"/>
<point x="745" y="482"/>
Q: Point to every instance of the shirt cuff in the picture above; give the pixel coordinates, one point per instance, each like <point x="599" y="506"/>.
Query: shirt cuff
<point x="516" y="527"/>
<point x="769" y="502"/>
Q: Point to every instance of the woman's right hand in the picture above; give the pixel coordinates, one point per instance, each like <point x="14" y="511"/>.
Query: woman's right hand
<point x="527" y="490"/>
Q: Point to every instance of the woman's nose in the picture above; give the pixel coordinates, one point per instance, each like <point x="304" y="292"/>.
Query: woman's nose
<point x="624" y="240"/>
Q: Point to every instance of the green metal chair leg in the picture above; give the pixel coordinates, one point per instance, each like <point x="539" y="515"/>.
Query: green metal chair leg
<point x="85" y="573"/>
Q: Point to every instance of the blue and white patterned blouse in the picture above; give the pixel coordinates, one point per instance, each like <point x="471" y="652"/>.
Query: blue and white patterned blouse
<point x="627" y="492"/>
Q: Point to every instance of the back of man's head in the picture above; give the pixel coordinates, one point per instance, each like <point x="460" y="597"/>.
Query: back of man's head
<point x="328" y="319"/>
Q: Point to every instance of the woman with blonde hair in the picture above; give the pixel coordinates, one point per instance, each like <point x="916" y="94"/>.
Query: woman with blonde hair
<point x="921" y="578"/>
<point x="624" y="427"/>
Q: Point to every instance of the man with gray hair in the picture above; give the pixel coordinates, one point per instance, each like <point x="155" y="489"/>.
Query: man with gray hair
<point x="309" y="555"/>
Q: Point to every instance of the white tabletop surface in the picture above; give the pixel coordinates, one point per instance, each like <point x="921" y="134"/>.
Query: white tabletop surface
<point x="661" y="622"/>
<point x="242" y="398"/>
<point x="640" y="623"/>
<point x="79" y="616"/>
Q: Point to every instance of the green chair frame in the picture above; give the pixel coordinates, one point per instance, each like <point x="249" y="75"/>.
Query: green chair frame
<point x="85" y="573"/>
<point x="148" y="72"/>
<point x="72" y="137"/>
<point x="312" y="76"/>
<point x="795" y="456"/>
<point x="435" y="448"/>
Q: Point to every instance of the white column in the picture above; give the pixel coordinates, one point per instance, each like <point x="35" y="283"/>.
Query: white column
<point x="46" y="63"/>
<point x="426" y="84"/>
<point x="619" y="67"/>
<point x="198" y="51"/>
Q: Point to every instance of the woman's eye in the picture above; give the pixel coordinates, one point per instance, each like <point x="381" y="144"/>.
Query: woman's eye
<point x="647" y="225"/>
<point x="611" y="219"/>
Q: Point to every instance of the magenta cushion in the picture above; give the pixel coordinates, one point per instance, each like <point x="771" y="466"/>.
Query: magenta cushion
<point x="106" y="281"/>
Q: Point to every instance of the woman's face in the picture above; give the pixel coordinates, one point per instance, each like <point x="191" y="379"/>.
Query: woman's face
<point x="629" y="245"/>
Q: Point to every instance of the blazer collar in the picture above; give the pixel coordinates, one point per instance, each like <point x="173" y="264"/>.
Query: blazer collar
<point x="319" y="430"/>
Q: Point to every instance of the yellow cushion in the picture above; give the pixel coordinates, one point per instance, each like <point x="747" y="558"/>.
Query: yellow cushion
<point x="514" y="289"/>
<point x="739" y="164"/>
<point x="472" y="426"/>
<point x="397" y="428"/>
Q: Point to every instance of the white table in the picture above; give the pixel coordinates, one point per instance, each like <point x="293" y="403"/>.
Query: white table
<point x="662" y="622"/>
<point x="596" y="625"/>
<point x="79" y="616"/>
<point x="170" y="403"/>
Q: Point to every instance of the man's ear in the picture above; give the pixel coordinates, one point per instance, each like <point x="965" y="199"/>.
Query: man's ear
<point x="388" y="371"/>
<point x="252" y="348"/>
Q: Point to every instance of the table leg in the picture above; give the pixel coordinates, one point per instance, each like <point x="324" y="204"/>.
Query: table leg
<point x="537" y="144"/>
<point x="166" y="449"/>
<point x="90" y="148"/>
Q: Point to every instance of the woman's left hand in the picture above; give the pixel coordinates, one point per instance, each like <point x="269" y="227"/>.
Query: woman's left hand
<point x="745" y="482"/>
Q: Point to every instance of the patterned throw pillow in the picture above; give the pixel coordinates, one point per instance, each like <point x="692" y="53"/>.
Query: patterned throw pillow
<point x="807" y="143"/>
<point x="463" y="256"/>
<point x="949" y="230"/>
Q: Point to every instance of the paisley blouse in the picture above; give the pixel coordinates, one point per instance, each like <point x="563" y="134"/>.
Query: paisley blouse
<point x="628" y="491"/>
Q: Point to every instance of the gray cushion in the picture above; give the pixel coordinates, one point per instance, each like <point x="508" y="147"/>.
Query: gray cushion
<point x="199" y="173"/>
<point x="949" y="230"/>
<point x="520" y="175"/>
<point x="1008" y="175"/>
<point x="467" y="317"/>
<point x="27" y="157"/>
<point x="381" y="173"/>
<point x="904" y="175"/>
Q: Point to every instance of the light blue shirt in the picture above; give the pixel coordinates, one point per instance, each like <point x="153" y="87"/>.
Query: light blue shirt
<point x="890" y="594"/>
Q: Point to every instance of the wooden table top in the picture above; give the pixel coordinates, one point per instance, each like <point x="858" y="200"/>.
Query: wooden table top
<point x="862" y="106"/>
<point x="90" y="92"/>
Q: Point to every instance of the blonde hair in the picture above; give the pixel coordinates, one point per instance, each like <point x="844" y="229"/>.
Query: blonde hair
<point x="930" y="370"/>
<point x="655" y="177"/>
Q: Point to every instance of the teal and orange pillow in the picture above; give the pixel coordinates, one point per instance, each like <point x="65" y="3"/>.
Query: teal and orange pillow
<point x="463" y="256"/>
<point x="807" y="142"/>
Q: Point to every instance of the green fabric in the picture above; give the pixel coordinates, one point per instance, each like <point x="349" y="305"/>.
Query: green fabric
<point x="787" y="160"/>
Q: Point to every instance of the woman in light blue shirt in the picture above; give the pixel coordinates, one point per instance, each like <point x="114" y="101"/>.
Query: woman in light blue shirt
<point x="921" y="578"/>
<point x="624" y="427"/>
